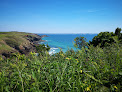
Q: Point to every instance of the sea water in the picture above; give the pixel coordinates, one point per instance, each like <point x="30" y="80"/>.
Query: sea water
<point x="63" y="42"/>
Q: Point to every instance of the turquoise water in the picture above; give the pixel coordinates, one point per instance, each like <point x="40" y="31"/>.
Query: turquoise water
<point x="63" y="41"/>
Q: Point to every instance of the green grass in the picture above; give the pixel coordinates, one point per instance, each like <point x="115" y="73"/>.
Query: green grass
<point x="97" y="70"/>
<point x="4" y="47"/>
<point x="10" y="40"/>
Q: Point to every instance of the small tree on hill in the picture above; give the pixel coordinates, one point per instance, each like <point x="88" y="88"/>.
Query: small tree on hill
<point x="80" y="42"/>
<point x="42" y="48"/>
<point x="117" y="31"/>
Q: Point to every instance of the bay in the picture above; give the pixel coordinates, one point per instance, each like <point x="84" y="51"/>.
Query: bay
<point x="63" y="41"/>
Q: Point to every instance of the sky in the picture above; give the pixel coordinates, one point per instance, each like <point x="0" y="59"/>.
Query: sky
<point x="60" y="16"/>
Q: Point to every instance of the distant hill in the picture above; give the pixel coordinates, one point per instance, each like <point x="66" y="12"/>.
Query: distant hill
<point x="18" y="42"/>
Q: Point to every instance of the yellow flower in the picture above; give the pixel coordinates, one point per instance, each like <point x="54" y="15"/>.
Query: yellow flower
<point x="115" y="87"/>
<point x="87" y="89"/>
<point x="67" y="58"/>
<point x="77" y="60"/>
<point x="62" y="55"/>
<point x="81" y="71"/>
<point x="89" y="86"/>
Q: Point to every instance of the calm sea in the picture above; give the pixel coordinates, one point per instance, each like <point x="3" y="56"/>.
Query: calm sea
<point x="63" y="41"/>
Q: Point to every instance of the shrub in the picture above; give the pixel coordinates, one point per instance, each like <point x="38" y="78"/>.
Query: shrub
<point x="97" y="70"/>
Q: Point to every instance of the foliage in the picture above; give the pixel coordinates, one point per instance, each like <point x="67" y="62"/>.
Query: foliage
<point x="42" y="48"/>
<point x="80" y="42"/>
<point x="98" y="70"/>
<point x="12" y="42"/>
<point x="117" y="31"/>
<point x="104" y="39"/>
<point x="120" y="37"/>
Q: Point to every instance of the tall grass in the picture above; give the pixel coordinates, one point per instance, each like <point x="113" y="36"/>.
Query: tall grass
<point x="94" y="70"/>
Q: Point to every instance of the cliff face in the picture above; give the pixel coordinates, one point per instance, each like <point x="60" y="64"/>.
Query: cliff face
<point x="18" y="42"/>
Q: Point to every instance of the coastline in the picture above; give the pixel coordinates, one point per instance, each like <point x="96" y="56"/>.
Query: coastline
<point x="18" y="42"/>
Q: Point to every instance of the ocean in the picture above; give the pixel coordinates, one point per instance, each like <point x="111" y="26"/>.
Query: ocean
<point x="63" y="41"/>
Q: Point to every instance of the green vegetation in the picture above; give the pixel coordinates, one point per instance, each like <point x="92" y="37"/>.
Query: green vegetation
<point x="12" y="42"/>
<point x="89" y="69"/>
<point x="104" y="39"/>
<point x="80" y="42"/>
<point x="42" y="48"/>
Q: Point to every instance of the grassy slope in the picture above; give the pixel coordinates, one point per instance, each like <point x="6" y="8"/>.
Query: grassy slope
<point x="9" y="40"/>
<point x="97" y="71"/>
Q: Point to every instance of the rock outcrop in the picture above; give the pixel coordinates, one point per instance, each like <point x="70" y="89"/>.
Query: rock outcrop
<point x="18" y="42"/>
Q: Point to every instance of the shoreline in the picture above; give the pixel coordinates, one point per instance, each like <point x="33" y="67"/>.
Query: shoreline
<point x="18" y="42"/>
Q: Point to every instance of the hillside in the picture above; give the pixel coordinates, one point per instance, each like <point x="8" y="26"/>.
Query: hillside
<point x="92" y="68"/>
<point x="14" y="42"/>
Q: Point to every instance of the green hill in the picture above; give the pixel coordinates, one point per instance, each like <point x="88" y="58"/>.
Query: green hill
<point x="12" y="42"/>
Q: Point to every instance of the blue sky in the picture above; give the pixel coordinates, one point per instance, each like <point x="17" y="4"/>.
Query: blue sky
<point x="60" y="16"/>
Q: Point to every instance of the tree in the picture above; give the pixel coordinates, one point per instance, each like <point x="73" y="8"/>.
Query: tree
<point x="119" y="34"/>
<point x="103" y="39"/>
<point x="117" y="31"/>
<point x="42" y="48"/>
<point x="80" y="42"/>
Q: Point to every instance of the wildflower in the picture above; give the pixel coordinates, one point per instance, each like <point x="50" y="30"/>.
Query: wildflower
<point x="81" y="71"/>
<point x="115" y="87"/>
<point x="77" y="60"/>
<point x="62" y="55"/>
<point x="87" y="89"/>
<point x="67" y="58"/>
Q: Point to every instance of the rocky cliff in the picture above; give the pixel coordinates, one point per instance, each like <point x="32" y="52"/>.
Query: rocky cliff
<point x="18" y="42"/>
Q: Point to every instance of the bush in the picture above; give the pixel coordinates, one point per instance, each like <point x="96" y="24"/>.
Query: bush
<point x="89" y="69"/>
<point x="103" y="39"/>
<point x="97" y="70"/>
<point x="80" y="42"/>
<point x="42" y="48"/>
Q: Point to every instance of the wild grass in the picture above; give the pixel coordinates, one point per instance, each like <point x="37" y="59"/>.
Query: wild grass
<point x="11" y="40"/>
<point x="94" y="70"/>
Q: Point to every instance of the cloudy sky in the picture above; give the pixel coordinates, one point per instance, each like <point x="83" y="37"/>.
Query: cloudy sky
<point x="60" y="16"/>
